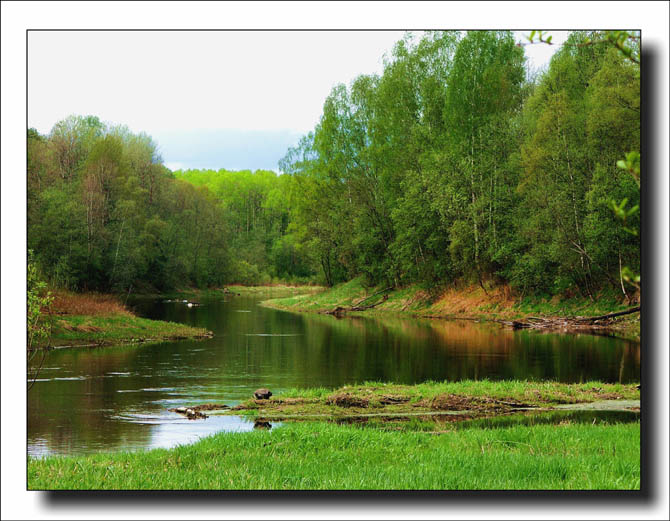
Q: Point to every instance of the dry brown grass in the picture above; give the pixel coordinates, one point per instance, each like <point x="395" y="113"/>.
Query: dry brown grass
<point x="419" y="296"/>
<point x="473" y="298"/>
<point x="68" y="303"/>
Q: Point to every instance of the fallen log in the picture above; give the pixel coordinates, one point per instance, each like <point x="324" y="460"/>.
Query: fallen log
<point x="341" y="311"/>
<point x="565" y="322"/>
<point x="610" y="315"/>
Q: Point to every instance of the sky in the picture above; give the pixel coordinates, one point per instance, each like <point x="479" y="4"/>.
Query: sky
<point x="233" y="100"/>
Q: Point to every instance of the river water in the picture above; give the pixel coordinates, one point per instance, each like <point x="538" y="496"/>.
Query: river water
<point x="116" y="398"/>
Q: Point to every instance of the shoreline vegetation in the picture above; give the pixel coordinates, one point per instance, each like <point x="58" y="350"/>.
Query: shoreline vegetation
<point x="477" y="303"/>
<point x="95" y="320"/>
<point x="98" y="319"/>
<point x="460" y="400"/>
<point x="278" y="290"/>
<point x="384" y="453"/>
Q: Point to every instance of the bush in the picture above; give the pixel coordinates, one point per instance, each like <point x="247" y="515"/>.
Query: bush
<point x="38" y="303"/>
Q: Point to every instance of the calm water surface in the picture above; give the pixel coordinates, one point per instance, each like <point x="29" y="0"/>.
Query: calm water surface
<point x="116" y="398"/>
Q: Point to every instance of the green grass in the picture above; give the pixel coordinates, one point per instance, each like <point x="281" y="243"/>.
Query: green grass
<point x="478" y="398"/>
<point x="606" y="303"/>
<point x="341" y="295"/>
<point x="73" y="330"/>
<point x="327" y="456"/>
<point x="532" y="392"/>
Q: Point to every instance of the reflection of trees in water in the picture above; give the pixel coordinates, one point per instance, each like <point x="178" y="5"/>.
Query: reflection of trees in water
<point x="327" y="352"/>
<point x="70" y="413"/>
<point x="335" y="351"/>
<point x="69" y="431"/>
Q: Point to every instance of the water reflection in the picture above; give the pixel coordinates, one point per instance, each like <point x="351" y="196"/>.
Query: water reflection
<point x="88" y="400"/>
<point x="552" y="418"/>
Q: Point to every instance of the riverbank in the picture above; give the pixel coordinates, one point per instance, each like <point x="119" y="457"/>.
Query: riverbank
<point x="468" y="302"/>
<point x="326" y="456"/>
<point x="86" y="320"/>
<point x="470" y="451"/>
<point x="233" y="290"/>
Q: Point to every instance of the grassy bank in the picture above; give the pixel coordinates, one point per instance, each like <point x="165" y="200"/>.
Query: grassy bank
<point x="470" y="398"/>
<point x="95" y="319"/>
<point x="328" y="456"/>
<point x="272" y="291"/>
<point x="471" y="302"/>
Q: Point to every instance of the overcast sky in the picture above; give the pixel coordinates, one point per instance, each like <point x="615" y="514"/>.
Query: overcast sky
<point x="234" y="100"/>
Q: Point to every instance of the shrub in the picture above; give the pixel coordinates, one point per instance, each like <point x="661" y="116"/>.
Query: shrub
<point x="38" y="304"/>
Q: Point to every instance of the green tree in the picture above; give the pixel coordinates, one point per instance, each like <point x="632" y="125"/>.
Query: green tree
<point x="38" y="302"/>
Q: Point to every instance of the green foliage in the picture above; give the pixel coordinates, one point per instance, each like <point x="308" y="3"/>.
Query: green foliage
<point x="255" y="208"/>
<point x="104" y="213"/>
<point x="38" y="302"/>
<point x="452" y="164"/>
<point x="623" y="213"/>
<point x="631" y="164"/>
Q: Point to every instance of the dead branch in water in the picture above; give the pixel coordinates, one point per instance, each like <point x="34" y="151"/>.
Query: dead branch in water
<point x="565" y="322"/>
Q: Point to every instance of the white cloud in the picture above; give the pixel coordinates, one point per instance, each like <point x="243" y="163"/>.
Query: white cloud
<point x="159" y="81"/>
<point x="184" y="83"/>
<point x="176" y="166"/>
<point x="539" y="54"/>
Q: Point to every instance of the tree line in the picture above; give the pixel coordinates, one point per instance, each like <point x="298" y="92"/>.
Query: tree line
<point x="453" y="164"/>
<point x="105" y="214"/>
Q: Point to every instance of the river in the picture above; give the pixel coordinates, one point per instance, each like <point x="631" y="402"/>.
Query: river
<point x="116" y="398"/>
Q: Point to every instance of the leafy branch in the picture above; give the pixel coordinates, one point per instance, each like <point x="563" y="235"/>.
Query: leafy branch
<point x="38" y="306"/>
<point x="624" y="41"/>
<point x="631" y="164"/>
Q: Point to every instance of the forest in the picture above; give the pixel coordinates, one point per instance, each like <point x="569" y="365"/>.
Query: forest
<point x="457" y="164"/>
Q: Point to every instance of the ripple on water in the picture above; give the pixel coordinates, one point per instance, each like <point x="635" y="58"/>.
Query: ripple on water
<point x="273" y="334"/>
<point x="63" y="378"/>
<point x="148" y="390"/>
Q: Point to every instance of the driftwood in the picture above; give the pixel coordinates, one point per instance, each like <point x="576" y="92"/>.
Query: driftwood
<point x="373" y="295"/>
<point x="567" y="323"/>
<point x="341" y="311"/>
<point x="610" y="315"/>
